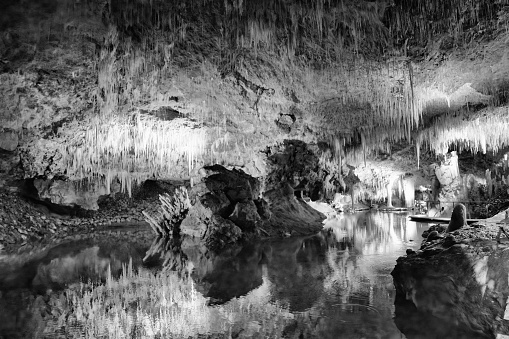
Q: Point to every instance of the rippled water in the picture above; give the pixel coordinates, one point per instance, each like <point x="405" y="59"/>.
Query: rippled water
<point x="335" y="284"/>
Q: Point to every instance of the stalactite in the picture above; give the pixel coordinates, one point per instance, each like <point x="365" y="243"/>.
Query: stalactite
<point x="476" y="134"/>
<point x="418" y="150"/>
<point x="135" y="147"/>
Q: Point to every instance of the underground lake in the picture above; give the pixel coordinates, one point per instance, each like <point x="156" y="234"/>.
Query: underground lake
<point x="123" y="284"/>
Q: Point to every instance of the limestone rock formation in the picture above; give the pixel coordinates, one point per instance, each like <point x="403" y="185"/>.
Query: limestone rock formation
<point x="212" y="230"/>
<point x="69" y="193"/>
<point x="458" y="280"/>
<point x="228" y="205"/>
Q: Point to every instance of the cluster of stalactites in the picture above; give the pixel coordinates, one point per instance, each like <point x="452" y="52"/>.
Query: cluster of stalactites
<point x="374" y="96"/>
<point x="451" y="17"/>
<point x="127" y="73"/>
<point x="380" y="186"/>
<point x="133" y="148"/>
<point x="261" y="23"/>
<point x="458" y="131"/>
<point x="482" y="133"/>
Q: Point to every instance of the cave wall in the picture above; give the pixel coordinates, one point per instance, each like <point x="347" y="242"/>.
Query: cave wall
<point x="83" y="83"/>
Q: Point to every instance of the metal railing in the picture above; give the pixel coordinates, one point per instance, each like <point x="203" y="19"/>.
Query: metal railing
<point x="440" y="205"/>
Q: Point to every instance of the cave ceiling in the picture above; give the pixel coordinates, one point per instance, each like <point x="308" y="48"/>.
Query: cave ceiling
<point x="158" y="87"/>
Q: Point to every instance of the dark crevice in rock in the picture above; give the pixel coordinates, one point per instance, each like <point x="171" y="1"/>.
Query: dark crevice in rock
<point x="55" y="126"/>
<point x="165" y="113"/>
<point x="254" y="88"/>
<point x="28" y="191"/>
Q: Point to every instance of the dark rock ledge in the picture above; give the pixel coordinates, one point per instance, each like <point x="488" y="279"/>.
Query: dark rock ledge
<point x="460" y="277"/>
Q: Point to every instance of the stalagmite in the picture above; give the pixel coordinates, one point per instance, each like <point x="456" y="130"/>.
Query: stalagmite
<point x="409" y="192"/>
<point x="389" y="194"/>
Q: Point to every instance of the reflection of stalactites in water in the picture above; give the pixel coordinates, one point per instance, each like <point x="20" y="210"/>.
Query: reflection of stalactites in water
<point x="342" y="279"/>
<point x="167" y="253"/>
<point x="370" y="233"/>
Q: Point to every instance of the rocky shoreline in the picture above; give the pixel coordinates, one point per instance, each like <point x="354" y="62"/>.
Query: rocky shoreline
<point x="24" y="223"/>
<point x="226" y="208"/>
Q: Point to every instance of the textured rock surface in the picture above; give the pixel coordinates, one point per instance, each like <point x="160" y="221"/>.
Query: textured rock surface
<point x="212" y="230"/>
<point x="461" y="279"/>
<point x="285" y="100"/>
<point x="448" y="170"/>
<point x="26" y="223"/>
<point x="69" y="193"/>
<point x="229" y="204"/>
<point x="9" y="141"/>
<point x="458" y="218"/>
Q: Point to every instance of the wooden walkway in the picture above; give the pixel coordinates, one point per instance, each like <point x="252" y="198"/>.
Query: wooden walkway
<point x="437" y="220"/>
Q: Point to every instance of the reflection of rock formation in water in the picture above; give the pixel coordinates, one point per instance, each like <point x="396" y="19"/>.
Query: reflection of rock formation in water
<point x="167" y="254"/>
<point x="333" y="280"/>
<point x="24" y="277"/>
<point x="219" y="276"/>
<point x="326" y="260"/>
<point x="232" y="274"/>
<point x="297" y="269"/>
<point x="67" y="263"/>
<point x="292" y="265"/>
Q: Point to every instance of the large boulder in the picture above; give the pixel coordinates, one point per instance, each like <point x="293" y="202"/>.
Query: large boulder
<point x="235" y="184"/>
<point x="246" y="216"/>
<point x="8" y="141"/>
<point x="210" y="229"/>
<point x="71" y="193"/>
<point x="460" y="279"/>
<point x="290" y="215"/>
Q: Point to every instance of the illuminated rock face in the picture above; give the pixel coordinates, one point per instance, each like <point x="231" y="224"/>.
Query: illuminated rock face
<point x="448" y="171"/>
<point x="68" y="193"/>
<point x="450" y="189"/>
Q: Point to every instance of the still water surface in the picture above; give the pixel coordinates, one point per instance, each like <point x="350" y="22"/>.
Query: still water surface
<point x="335" y="284"/>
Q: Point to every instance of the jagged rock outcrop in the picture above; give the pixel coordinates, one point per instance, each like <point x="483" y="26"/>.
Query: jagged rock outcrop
<point x="461" y="279"/>
<point x="229" y="205"/>
<point x="214" y="231"/>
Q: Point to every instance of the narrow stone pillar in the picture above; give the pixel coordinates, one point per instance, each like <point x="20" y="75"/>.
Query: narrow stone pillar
<point x="389" y="194"/>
